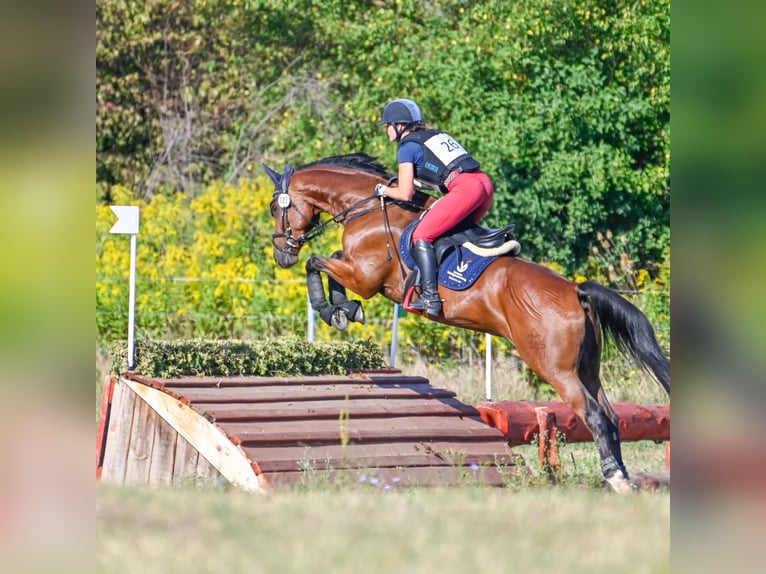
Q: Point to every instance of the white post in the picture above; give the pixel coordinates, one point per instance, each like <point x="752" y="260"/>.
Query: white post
<point x="128" y="217"/>
<point x="311" y="323"/>
<point x="132" y="305"/>
<point x="394" y="337"/>
<point x="488" y="367"/>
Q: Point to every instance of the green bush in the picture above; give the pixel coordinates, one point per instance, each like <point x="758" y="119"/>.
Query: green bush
<point x="268" y="356"/>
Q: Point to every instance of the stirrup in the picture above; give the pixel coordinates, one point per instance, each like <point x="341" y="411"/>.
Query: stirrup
<point x="428" y="306"/>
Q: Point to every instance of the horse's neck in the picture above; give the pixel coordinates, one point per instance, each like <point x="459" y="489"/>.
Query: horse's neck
<point x="334" y="199"/>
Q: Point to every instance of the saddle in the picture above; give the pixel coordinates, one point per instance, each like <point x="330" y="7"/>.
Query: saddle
<point x="479" y="240"/>
<point x="476" y="239"/>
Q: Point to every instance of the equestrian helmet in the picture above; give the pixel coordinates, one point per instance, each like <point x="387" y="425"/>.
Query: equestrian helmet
<point x="402" y="111"/>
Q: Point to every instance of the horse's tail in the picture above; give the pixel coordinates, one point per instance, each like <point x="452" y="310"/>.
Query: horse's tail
<point x="629" y="328"/>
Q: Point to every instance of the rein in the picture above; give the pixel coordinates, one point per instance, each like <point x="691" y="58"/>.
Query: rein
<point x="315" y="230"/>
<point x="293" y="243"/>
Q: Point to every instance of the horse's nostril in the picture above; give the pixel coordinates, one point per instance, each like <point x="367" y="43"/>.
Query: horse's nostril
<point x="285" y="260"/>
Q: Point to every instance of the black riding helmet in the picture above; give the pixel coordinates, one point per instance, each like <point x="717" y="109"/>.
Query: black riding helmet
<point x="402" y="113"/>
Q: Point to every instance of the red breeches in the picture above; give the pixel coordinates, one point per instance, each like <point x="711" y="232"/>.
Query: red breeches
<point x="469" y="197"/>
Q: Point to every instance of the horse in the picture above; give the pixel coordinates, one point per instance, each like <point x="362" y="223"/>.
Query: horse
<point x="557" y="326"/>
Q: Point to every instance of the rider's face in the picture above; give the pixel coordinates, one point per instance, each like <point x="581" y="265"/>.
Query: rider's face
<point x="391" y="131"/>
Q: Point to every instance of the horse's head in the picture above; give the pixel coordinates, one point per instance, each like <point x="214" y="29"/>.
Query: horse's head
<point x="294" y="217"/>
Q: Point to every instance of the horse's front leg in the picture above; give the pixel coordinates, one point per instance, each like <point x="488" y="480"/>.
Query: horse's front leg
<point x="339" y="311"/>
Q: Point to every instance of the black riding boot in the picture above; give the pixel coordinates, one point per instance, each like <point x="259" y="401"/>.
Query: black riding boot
<point x="425" y="258"/>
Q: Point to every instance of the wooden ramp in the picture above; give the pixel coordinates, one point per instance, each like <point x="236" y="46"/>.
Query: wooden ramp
<point x="263" y="432"/>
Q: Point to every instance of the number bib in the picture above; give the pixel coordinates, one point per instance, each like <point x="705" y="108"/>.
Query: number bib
<point x="445" y="148"/>
<point x="441" y="155"/>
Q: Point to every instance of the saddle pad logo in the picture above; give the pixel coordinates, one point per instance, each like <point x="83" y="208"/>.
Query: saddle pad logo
<point x="456" y="274"/>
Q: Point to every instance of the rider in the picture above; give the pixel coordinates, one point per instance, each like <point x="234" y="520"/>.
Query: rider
<point x="434" y="157"/>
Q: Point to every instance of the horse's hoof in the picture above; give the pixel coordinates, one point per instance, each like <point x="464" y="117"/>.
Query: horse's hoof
<point x="339" y="320"/>
<point x="620" y="483"/>
<point x="354" y="311"/>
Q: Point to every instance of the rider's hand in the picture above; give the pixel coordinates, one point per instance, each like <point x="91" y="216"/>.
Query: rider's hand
<point x="380" y="190"/>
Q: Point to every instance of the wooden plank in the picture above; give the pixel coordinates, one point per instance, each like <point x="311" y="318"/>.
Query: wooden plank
<point x="320" y="409"/>
<point x="297" y="393"/>
<point x="227" y="382"/>
<point x="118" y="433"/>
<point x="388" y="454"/>
<point x="185" y="463"/>
<point x="141" y="444"/>
<point x="208" y="439"/>
<point x="224" y="382"/>
<point x="392" y="478"/>
<point x="163" y="453"/>
<point x="356" y="430"/>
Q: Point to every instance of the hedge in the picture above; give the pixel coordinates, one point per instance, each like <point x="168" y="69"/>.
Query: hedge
<point x="282" y="356"/>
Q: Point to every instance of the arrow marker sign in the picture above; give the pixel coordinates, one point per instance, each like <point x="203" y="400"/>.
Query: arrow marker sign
<point x="127" y="222"/>
<point x="127" y="219"/>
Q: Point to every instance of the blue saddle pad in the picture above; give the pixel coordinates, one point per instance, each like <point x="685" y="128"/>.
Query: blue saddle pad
<point x="455" y="272"/>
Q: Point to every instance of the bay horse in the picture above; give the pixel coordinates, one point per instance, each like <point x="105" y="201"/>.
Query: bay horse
<point x="555" y="325"/>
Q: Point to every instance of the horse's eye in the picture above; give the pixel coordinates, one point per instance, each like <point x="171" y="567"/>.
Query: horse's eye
<point x="273" y="208"/>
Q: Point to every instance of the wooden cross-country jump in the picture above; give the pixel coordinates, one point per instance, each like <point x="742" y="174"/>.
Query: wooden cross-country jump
<point x="259" y="433"/>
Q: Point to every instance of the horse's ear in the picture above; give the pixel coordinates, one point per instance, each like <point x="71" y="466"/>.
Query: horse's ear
<point x="289" y="171"/>
<point x="275" y="177"/>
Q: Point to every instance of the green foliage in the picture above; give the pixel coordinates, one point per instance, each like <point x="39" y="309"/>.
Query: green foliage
<point x="205" y="271"/>
<point x="565" y="103"/>
<point x="284" y="356"/>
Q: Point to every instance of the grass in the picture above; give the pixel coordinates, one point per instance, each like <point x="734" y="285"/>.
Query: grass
<point x="511" y="381"/>
<point x="202" y="529"/>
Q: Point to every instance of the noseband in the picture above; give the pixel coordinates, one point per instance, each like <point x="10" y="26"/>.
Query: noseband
<point x="293" y="244"/>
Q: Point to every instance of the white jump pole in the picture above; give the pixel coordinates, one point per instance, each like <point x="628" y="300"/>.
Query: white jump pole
<point x="311" y="323"/>
<point x="488" y="367"/>
<point x="394" y="337"/>
<point x="132" y="305"/>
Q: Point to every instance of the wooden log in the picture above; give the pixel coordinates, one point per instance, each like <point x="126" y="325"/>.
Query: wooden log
<point x="518" y="420"/>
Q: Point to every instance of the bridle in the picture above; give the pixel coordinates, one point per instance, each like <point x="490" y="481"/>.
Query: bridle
<point x="293" y="243"/>
<point x="282" y="200"/>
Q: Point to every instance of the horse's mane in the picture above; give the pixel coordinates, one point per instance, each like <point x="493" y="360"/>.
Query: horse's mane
<point x="360" y="161"/>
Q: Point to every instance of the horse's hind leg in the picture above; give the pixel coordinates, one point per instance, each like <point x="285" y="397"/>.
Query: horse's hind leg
<point x="605" y="434"/>
<point x="572" y="370"/>
<point x="599" y="417"/>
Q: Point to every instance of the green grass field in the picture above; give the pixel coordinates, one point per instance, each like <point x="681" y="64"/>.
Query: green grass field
<point x="326" y="530"/>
